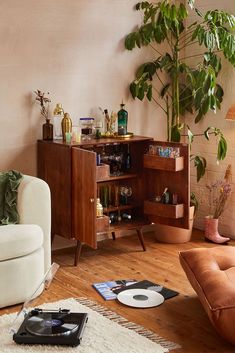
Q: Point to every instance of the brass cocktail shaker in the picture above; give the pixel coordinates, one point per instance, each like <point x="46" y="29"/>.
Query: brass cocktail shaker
<point x="66" y="125"/>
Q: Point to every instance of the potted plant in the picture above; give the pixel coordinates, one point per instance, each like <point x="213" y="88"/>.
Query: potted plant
<point x="184" y="88"/>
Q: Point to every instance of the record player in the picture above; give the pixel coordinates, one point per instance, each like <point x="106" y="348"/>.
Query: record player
<point x="57" y="327"/>
<point x="39" y="326"/>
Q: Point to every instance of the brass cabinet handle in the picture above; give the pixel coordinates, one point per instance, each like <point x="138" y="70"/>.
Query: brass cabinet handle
<point x="92" y="200"/>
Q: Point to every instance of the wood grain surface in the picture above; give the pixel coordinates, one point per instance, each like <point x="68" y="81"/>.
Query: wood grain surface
<point x="180" y="319"/>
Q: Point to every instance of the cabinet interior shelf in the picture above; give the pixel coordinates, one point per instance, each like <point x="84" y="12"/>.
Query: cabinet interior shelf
<point x="163" y="210"/>
<point x="118" y="177"/>
<point x="127" y="225"/>
<point x="119" y="208"/>
<point x="163" y="163"/>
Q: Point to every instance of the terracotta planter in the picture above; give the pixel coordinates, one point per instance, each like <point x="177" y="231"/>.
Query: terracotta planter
<point x="174" y="235"/>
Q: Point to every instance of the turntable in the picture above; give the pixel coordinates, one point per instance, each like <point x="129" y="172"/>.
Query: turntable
<point x="57" y="327"/>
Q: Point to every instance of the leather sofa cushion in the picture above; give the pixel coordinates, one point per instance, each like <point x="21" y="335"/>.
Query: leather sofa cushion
<point x="19" y="240"/>
<point x="211" y="273"/>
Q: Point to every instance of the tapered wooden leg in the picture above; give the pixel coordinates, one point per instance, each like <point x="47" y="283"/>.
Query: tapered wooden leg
<point x="113" y="236"/>
<point x="141" y="238"/>
<point x="77" y="252"/>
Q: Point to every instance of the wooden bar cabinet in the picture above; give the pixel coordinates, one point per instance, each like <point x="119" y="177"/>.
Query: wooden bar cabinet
<point x="75" y="181"/>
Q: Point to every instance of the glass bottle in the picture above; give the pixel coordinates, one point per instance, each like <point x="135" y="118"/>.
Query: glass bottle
<point x="86" y="125"/>
<point x="58" y="115"/>
<point x="99" y="208"/>
<point x="66" y="125"/>
<point x="126" y="216"/>
<point x="108" y="122"/>
<point x="113" y="217"/>
<point x="128" y="158"/>
<point x="47" y="130"/>
<point x="122" y="120"/>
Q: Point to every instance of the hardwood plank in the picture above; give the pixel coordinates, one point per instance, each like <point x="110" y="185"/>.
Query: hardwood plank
<point x="180" y="319"/>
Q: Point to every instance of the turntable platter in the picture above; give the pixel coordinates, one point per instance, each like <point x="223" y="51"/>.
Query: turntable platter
<point x="49" y="326"/>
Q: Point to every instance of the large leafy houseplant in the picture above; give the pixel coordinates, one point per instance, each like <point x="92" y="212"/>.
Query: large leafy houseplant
<point x="184" y="87"/>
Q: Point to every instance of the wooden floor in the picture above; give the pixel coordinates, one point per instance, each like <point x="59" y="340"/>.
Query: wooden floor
<point x="180" y="319"/>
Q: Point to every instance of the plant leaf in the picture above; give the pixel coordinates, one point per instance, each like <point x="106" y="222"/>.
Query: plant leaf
<point x="149" y="93"/>
<point x="190" y="136"/>
<point x="222" y="148"/>
<point x="133" y="89"/>
<point x="200" y="164"/>
<point x="191" y="3"/>
<point x="164" y="90"/>
<point x="130" y="41"/>
<point x="206" y="133"/>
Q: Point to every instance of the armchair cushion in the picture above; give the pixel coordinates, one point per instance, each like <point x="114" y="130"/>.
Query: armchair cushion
<point x="20" y="240"/>
<point x="9" y="182"/>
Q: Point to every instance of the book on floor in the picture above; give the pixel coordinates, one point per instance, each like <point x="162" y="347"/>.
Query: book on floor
<point x="145" y="284"/>
<point x="106" y="289"/>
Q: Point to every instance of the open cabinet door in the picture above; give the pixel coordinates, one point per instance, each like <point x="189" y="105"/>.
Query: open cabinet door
<point x="171" y="173"/>
<point x="84" y="196"/>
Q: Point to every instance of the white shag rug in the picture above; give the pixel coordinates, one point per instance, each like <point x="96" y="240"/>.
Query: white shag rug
<point x="106" y="332"/>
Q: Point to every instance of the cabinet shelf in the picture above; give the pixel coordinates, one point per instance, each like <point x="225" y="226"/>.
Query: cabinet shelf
<point x="163" y="210"/>
<point x="118" y="177"/>
<point x="163" y="163"/>
<point x="124" y="225"/>
<point x="119" y="208"/>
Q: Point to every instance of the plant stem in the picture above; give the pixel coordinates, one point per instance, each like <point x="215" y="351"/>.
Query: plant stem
<point x="168" y="119"/>
<point x="159" y="104"/>
<point x="151" y="46"/>
<point x="156" y="90"/>
<point x="187" y="45"/>
<point x="186" y="35"/>
<point x="195" y="55"/>
<point x="198" y="135"/>
<point x="177" y="94"/>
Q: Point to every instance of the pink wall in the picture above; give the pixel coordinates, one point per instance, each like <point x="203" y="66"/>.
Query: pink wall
<point x="73" y="49"/>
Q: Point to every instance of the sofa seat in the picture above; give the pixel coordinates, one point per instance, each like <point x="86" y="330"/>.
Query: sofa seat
<point x="25" y="248"/>
<point x="19" y="241"/>
<point x="211" y="273"/>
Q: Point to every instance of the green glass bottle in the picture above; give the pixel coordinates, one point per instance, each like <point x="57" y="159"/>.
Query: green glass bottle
<point x="122" y="120"/>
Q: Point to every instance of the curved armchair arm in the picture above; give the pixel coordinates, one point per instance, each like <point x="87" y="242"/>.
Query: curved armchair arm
<point x="34" y="207"/>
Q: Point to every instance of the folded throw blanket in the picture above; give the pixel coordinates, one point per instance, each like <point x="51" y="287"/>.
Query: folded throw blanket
<point x="9" y="183"/>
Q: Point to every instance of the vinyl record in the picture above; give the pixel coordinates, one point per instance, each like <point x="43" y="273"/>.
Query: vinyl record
<point x="49" y="326"/>
<point x="140" y="298"/>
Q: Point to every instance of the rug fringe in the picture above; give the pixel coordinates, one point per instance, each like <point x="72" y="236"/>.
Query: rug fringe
<point x="127" y="324"/>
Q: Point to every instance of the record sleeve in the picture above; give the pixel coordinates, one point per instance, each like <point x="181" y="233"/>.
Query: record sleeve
<point x="107" y="289"/>
<point x="145" y="284"/>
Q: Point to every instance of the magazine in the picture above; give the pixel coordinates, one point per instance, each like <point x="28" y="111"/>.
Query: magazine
<point x="106" y="289"/>
<point x="166" y="292"/>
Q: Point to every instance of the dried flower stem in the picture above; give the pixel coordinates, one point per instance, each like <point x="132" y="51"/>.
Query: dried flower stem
<point x="220" y="192"/>
<point x="44" y="103"/>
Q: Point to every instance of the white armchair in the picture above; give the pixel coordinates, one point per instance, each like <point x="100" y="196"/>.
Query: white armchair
<point x="25" y="248"/>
